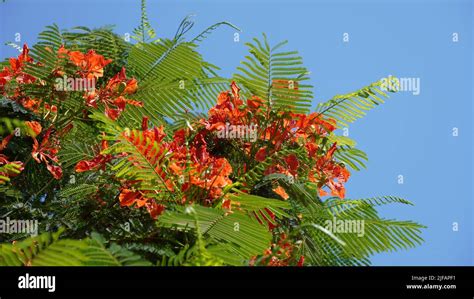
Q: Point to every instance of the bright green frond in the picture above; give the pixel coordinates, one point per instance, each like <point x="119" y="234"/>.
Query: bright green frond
<point x="275" y="76"/>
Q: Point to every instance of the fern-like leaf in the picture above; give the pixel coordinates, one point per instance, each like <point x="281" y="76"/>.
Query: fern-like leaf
<point x="349" y="107"/>
<point x="275" y="76"/>
<point x="243" y="235"/>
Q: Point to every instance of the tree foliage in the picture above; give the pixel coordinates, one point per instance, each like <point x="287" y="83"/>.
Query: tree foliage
<point x="140" y="170"/>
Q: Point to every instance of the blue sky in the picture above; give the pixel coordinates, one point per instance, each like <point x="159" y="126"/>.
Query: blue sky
<point x="409" y="135"/>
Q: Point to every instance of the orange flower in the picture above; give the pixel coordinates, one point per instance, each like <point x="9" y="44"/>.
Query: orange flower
<point x="5" y="141"/>
<point x="35" y="127"/>
<point x="227" y="110"/>
<point x="205" y="174"/>
<point x="17" y="64"/>
<point x="91" y="64"/>
<point x="62" y="52"/>
<point x="227" y="204"/>
<point x="31" y="104"/>
<point x="235" y="95"/>
<point x="281" y="192"/>
<point x="131" y="86"/>
<point x="322" y="192"/>
<point x="120" y="103"/>
<point x="130" y="197"/>
<point x="331" y="174"/>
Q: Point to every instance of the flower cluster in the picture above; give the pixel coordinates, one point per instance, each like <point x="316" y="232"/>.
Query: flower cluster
<point x="278" y="130"/>
<point x="192" y="169"/>
<point x="88" y="65"/>
<point x="199" y="175"/>
<point x="112" y="96"/>
<point x="16" y="76"/>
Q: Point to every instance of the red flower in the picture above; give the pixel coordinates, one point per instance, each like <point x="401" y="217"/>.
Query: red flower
<point x="331" y="174"/>
<point x="91" y="64"/>
<point x="312" y="149"/>
<point x="154" y="209"/>
<point x="261" y="154"/>
<point x="121" y="85"/>
<point x="120" y="103"/>
<point x="254" y="102"/>
<point x="98" y="162"/>
<point x="46" y="152"/>
<point x="292" y="163"/>
<point x="300" y="261"/>
<point x="16" y="66"/>
<point x="15" y="72"/>
<point x="130" y="197"/>
<point x="55" y="170"/>
<point x="5" y="141"/>
<point x="113" y="95"/>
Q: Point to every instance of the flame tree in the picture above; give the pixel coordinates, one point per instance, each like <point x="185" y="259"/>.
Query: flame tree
<point x="134" y="171"/>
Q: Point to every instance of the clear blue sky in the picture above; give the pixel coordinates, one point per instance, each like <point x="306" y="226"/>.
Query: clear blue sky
<point x="409" y="135"/>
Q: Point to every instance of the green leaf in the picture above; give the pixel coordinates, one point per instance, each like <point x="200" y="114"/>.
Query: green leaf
<point x="349" y="107"/>
<point x="276" y="77"/>
<point x="243" y="235"/>
<point x="48" y="249"/>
